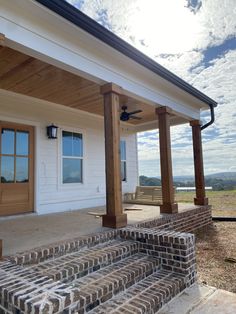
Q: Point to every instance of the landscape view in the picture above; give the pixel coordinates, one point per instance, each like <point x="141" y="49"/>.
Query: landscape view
<point x="218" y="182"/>
<point x="118" y="157"/>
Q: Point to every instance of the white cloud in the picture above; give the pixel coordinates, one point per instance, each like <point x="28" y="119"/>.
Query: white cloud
<point x="169" y="32"/>
<point x="167" y="26"/>
<point x="219" y="79"/>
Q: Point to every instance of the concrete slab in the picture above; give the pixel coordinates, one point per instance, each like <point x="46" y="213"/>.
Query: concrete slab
<point x="29" y="231"/>
<point x="201" y="299"/>
<point x="23" y="232"/>
<point x="220" y="302"/>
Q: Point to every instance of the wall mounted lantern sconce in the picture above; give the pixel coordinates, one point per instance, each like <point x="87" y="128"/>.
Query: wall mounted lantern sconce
<point x="52" y="131"/>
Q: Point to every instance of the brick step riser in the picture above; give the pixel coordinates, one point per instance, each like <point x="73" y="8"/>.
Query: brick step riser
<point x="147" y="297"/>
<point x="46" y="253"/>
<point x="120" y="284"/>
<point x="98" y="266"/>
<point x="76" y="270"/>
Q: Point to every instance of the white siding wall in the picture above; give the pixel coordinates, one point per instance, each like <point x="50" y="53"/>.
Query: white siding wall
<point x="50" y="194"/>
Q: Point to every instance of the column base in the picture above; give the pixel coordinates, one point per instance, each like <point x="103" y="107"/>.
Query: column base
<point x="169" y="208"/>
<point x="201" y="201"/>
<point x="115" y="222"/>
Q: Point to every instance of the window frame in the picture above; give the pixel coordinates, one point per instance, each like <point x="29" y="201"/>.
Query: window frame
<point x="62" y="157"/>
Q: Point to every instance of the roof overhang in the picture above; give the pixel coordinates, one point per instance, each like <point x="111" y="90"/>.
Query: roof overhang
<point x="84" y="22"/>
<point x="43" y="33"/>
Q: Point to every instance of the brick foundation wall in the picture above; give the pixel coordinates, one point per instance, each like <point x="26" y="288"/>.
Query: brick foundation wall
<point x="187" y="221"/>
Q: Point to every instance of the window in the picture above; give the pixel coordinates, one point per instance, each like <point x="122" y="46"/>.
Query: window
<point x="123" y="160"/>
<point x="72" y="157"/>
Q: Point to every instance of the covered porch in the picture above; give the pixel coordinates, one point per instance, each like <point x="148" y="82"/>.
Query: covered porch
<point x="87" y="87"/>
<point x="35" y="79"/>
<point x="27" y="232"/>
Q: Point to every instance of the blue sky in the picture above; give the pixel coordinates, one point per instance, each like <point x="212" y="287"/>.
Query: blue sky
<point x="195" y="39"/>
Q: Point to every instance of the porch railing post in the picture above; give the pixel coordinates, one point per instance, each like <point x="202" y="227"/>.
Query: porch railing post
<point x="114" y="218"/>
<point x="200" y="198"/>
<point x="169" y="206"/>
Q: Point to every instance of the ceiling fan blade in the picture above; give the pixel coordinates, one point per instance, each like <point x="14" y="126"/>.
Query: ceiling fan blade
<point x="135" y="111"/>
<point x="135" y="118"/>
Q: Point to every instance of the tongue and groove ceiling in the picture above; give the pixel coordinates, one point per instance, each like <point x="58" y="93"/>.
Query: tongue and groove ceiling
<point x="26" y="75"/>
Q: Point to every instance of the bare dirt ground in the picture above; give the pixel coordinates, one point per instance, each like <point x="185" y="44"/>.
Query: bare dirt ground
<point x="216" y="245"/>
<point x="216" y="255"/>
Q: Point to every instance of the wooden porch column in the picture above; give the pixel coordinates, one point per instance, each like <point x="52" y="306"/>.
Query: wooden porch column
<point x="198" y="164"/>
<point x="169" y="206"/>
<point x="114" y="218"/>
<point x="2" y="40"/>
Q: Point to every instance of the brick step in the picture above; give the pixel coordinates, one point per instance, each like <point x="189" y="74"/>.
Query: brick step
<point x="78" y="264"/>
<point x="35" y="289"/>
<point x="147" y="296"/>
<point x="102" y="285"/>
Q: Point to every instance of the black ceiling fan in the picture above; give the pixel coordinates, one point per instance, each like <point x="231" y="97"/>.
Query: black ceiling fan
<point x="125" y="116"/>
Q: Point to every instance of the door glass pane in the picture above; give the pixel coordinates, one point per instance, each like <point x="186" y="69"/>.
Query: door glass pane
<point x="67" y="143"/>
<point x="22" y="143"/>
<point x="22" y="172"/>
<point x="7" y="169"/>
<point x="8" y="141"/>
<point x="77" y="145"/>
<point x="72" y="170"/>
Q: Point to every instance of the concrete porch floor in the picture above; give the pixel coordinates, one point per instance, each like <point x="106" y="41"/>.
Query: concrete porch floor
<point x="24" y="232"/>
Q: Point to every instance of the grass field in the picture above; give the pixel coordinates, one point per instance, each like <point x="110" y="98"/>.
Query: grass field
<point x="223" y="202"/>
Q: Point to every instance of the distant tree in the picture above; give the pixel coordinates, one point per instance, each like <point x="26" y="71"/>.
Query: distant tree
<point x="146" y="181"/>
<point x="217" y="184"/>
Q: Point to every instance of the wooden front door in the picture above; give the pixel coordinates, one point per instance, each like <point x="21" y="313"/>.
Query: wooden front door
<point x="16" y="168"/>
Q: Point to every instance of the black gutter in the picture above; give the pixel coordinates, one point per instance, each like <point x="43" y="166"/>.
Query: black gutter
<point x="84" y="22"/>
<point x="212" y="118"/>
<point x="223" y="218"/>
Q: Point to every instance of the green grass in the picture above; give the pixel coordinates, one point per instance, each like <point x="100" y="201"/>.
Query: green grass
<point x="223" y="202"/>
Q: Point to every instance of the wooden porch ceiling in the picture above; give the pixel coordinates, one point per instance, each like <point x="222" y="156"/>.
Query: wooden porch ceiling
<point x="26" y="75"/>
